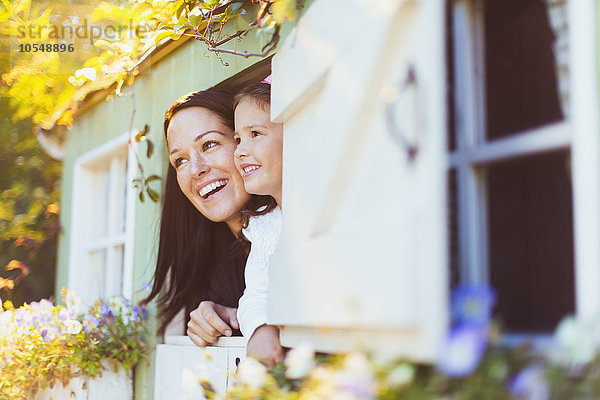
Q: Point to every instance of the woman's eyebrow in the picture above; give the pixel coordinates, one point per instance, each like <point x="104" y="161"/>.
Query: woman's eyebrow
<point x="199" y="137"/>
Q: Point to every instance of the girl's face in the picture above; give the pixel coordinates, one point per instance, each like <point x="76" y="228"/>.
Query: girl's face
<point x="201" y="150"/>
<point x="258" y="156"/>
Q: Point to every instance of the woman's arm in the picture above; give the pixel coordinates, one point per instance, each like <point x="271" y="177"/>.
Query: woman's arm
<point x="209" y="321"/>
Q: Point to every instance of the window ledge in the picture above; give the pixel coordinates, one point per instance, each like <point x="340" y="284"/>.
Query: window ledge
<point x="183" y="340"/>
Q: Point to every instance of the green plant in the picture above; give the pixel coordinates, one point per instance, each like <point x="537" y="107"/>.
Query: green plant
<point x="42" y="343"/>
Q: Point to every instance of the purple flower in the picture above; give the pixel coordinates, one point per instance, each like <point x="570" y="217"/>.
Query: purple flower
<point x="63" y="315"/>
<point x="463" y="349"/>
<point x="530" y="384"/>
<point x="48" y="334"/>
<point x="472" y="304"/>
<point x="106" y="312"/>
<point x="140" y="313"/>
<point x="90" y="324"/>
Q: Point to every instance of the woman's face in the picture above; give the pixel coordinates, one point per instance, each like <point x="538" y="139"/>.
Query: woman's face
<point x="201" y="150"/>
<point x="258" y="156"/>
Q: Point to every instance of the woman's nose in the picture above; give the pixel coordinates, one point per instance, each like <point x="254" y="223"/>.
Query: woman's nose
<point x="200" y="165"/>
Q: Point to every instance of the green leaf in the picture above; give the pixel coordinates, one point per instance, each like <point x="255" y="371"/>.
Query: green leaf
<point x="105" y="45"/>
<point x="153" y="194"/>
<point x="195" y="17"/>
<point x="160" y="35"/>
<point x="152" y="178"/>
<point x="150" y="149"/>
<point x="181" y="28"/>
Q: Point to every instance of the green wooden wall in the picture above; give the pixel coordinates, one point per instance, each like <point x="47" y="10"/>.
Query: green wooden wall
<point x="190" y="67"/>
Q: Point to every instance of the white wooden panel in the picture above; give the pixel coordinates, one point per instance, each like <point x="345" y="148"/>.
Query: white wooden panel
<point x="585" y="156"/>
<point x="363" y="244"/>
<point x="235" y="356"/>
<point x="181" y="354"/>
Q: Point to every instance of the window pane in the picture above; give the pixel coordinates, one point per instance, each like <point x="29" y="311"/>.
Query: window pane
<point x="95" y="274"/>
<point x="521" y="73"/>
<point x="453" y="233"/>
<point x="97" y="207"/>
<point x="531" y="241"/>
<point x="126" y="183"/>
<point x="114" y="272"/>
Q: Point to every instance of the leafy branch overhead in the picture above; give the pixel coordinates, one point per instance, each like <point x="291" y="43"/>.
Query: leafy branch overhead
<point x="141" y="27"/>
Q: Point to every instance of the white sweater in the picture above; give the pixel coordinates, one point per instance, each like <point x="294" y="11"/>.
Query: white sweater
<point x="263" y="232"/>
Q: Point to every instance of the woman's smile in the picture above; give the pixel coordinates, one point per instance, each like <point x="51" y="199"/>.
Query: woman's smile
<point x="214" y="186"/>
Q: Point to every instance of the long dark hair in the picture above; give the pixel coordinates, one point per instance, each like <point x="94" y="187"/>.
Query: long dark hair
<point x="197" y="259"/>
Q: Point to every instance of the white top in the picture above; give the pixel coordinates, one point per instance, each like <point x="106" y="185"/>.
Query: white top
<point x="263" y="232"/>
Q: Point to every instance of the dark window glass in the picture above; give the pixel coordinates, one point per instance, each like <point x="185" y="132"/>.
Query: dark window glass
<point x="521" y="82"/>
<point x="531" y="241"/>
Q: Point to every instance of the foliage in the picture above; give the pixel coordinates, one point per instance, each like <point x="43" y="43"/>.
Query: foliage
<point x="42" y="343"/>
<point x="473" y="365"/>
<point x="47" y="87"/>
<point x="29" y="223"/>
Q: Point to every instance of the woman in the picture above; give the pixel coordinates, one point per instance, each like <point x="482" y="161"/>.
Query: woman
<point x="201" y="258"/>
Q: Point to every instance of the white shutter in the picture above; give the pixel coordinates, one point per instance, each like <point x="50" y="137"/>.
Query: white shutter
<point x="362" y="259"/>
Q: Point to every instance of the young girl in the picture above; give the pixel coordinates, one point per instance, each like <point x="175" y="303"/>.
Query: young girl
<point x="258" y="158"/>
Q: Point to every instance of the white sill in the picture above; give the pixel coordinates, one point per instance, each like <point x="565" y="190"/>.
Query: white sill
<point x="223" y="341"/>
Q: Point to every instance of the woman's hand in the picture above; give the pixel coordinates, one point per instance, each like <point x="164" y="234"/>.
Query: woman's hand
<point x="265" y="346"/>
<point x="209" y="321"/>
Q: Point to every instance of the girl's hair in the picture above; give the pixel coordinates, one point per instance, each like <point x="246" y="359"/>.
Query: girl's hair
<point x="261" y="93"/>
<point x="197" y="259"/>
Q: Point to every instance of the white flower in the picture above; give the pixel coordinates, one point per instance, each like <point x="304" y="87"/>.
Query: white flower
<point x="401" y="375"/>
<point x="357" y="379"/>
<point x="190" y="388"/>
<point x="299" y="362"/>
<point x="209" y="372"/>
<point x="73" y="326"/>
<point x="252" y="373"/>
<point x="576" y="342"/>
<point x="7" y="326"/>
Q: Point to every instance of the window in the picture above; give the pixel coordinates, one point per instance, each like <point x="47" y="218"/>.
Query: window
<point x="101" y="233"/>
<point x="511" y="183"/>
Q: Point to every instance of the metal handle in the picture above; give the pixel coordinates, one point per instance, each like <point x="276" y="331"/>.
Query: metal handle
<point x="399" y="137"/>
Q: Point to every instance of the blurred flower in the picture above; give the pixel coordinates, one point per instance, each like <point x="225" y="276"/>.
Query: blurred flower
<point x="48" y="334"/>
<point x="575" y="343"/>
<point x="401" y="375"/>
<point x="106" y="312"/>
<point x="299" y="361"/>
<point x="90" y="324"/>
<point x="252" y="373"/>
<point x="63" y="315"/>
<point x="190" y="388"/>
<point x="207" y="373"/>
<point x="140" y="313"/>
<point x="356" y="380"/>
<point x="73" y="327"/>
<point x="72" y="301"/>
<point x="530" y="384"/>
<point x="472" y="304"/>
<point x="463" y="350"/>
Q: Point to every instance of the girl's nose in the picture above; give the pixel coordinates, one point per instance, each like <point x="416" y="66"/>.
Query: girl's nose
<point x="240" y="151"/>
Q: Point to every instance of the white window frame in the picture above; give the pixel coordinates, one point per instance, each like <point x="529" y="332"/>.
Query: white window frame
<point x="80" y="197"/>
<point x="579" y="132"/>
